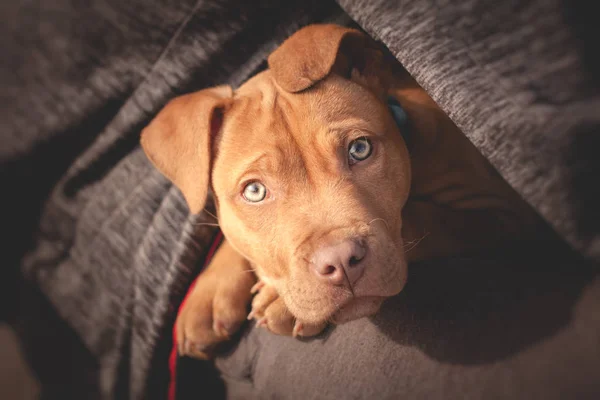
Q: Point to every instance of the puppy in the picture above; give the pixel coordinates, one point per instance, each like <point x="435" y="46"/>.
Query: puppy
<point x="316" y="188"/>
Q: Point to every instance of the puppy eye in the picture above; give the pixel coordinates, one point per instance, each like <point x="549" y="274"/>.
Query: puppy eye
<point x="254" y="192"/>
<point x="359" y="150"/>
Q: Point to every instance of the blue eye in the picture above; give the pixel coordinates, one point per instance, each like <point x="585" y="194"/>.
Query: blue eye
<point x="359" y="150"/>
<point x="254" y="192"/>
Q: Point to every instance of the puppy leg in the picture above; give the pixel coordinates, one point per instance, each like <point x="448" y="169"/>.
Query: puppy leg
<point x="271" y="313"/>
<point x="217" y="306"/>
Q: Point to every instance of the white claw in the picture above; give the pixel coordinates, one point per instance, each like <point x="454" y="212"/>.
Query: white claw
<point x="262" y="322"/>
<point x="257" y="286"/>
<point x="298" y="328"/>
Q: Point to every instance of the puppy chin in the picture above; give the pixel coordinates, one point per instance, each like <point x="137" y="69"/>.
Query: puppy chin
<point x="369" y="299"/>
<point x="358" y="308"/>
<point x="382" y="283"/>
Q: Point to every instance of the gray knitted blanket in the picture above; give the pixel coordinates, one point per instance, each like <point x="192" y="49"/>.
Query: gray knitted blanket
<point x="108" y="241"/>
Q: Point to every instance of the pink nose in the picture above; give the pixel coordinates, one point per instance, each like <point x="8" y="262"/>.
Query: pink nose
<point x="336" y="263"/>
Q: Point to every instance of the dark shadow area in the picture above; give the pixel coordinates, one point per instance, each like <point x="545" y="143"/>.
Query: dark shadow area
<point x="56" y="354"/>
<point x="582" y="18"/>
<point x="198" y="379"/>
<point x="484" y="309"/>
<point x="581" y="154"/>
<point x="584" y="171"/>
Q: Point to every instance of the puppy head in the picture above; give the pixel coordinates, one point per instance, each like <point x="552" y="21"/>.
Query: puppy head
<point x="308" y="169"/>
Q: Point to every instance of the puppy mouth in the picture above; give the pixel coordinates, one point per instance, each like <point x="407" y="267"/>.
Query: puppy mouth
<point x="383" y="275"/>
<point x="319" y="310"/>
<point x="345" y="304"/>
<point x="361" y="305"/>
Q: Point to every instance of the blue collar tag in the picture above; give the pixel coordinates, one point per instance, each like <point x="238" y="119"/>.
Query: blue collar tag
<point x="401" y="119"/>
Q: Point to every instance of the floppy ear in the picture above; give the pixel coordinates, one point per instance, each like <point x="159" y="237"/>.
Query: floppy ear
<point x="315" y="51"/>
<point x="178" y="141"/>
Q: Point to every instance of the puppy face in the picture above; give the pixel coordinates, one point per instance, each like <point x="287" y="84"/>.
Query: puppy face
<point x="298" y="178"/>
<point x="308" y="168"/>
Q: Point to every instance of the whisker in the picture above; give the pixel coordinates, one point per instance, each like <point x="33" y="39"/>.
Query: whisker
<point x="205" y="224"/>
<point x="382" y="220"/>
<point x="415" y="243"/>
<point x="211" y="214"/>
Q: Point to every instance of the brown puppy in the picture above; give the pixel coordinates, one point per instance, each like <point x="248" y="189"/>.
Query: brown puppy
<point x="316" y="191"/>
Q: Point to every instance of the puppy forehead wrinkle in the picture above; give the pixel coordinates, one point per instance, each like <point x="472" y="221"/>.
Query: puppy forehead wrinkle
<point x="269" y="97"/>
<point x="269" y="144"/>
<point x="335" y="100"/>
<point x="253" y="162"/>
<point x="283" y="126"/>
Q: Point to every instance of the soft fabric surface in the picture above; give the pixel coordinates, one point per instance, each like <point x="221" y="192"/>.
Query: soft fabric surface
<point x="115" y="248"/>
<point x="461" y="329"/>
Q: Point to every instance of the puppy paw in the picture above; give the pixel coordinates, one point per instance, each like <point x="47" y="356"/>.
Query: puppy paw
<point x="217" y="306"/>
<point x="271" y="313"/>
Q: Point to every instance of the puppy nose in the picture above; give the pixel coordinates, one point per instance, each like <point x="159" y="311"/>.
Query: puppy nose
<point x="335" y="263"/>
